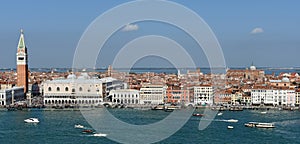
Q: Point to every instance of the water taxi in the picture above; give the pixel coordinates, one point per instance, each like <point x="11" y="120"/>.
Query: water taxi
<point x="260" y="125"/>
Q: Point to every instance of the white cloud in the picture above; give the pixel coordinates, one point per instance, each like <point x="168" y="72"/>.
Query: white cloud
<point x="130" y="27"/>
<point x="257" y="30"/>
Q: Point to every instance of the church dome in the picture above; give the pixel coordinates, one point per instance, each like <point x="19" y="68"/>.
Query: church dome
<point x="252" y="67"/>
<point x="285" y="79"/>
<point x="71" y="76"/>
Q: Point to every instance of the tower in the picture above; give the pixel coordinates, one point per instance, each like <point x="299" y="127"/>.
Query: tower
<point x="22" y="64"/>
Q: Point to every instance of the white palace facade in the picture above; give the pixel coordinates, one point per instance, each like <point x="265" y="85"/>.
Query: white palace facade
<point x="81" y="90"/>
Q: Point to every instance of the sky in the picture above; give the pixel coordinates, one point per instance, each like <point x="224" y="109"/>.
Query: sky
<point x="265" y="33"/>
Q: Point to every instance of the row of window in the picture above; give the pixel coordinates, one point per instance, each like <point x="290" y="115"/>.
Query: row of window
<point x="67" y="89"/>
<point x="72" y="101"/>
<point x="117" y="95"/>
<point x="125" y="101"/>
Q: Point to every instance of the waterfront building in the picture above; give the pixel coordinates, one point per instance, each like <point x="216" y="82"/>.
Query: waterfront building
<point x="262" y="95"/>
<point x="177" y="94"/>
<point x="152" y="94"/>
<point x="81" y="90"/>
<point x="223" y="97"/>
<point x="276" y="96"/>
<point x="297" y="96"/>
<point x="203" y="94"/>
<point x="10" y="95"/>
<point x="22" y="64"/>
<point x="125" y="96"/>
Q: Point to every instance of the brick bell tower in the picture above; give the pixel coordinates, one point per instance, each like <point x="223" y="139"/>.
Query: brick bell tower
<point x="22" y="64"/>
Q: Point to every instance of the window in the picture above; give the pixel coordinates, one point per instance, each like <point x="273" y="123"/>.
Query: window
<point x="80" y="88"/>
<point x="66" y="89"/>
<point x="57" y="89"/>
<point x="49" y="88"/>
<point x="73" y="90"/>
<point x="20" y="58"/>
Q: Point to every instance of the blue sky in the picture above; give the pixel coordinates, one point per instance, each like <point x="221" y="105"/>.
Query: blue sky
<point x="53" y="28"/>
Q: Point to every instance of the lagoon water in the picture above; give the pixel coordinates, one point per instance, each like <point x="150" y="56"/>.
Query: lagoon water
<point x="58" y="127"/>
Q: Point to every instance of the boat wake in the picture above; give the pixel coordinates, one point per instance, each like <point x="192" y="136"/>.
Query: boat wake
<point x="288" y="122"/>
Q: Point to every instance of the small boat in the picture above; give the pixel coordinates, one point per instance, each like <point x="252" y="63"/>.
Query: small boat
<point x="198" y="114"/>
<point x="79" y="126"/>
<point x="232" y="120"/>
<point x="87" y="131"/>
<point x="229" y="127"/>
<point x="219" y="114"/>
<point x="260" y="125"/>
<point x="100" y="135"/>
<point x="263" y="112"/>
<point x="32" y="120"/>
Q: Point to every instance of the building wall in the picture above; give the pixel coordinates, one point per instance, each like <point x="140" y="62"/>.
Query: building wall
<point x="297" y="100"/>
<point x="152" y="94"/>
<point x="273" y="97"/>
<point x="6" y="95"/>
<point x="203" y="95"/>
<point x="177" y="96"/>
<point x="73" y="92"/>
<point x="125" y="96"/>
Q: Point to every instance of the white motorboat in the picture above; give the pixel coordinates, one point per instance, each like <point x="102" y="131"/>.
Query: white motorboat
<point x="230" y="127"/>
<point x="100" y="134"/>
<point x="232" y="120"/>
<point x="79" y="126"/>
<point x="219" y="114"/>
<point x="263" y="112"/>
<point x="32" y="120"/>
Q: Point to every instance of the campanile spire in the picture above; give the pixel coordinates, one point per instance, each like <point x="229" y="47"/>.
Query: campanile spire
<point x="22" y="63"/>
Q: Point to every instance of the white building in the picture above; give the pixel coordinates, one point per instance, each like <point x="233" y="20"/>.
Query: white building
<point x="203" y="94"/>
<point x="125" y="96"/>
<point x="77" y="91"/>
<point x="14" y="94"/>
<point x="152" y="94"/>
<point x="273" y="96"/>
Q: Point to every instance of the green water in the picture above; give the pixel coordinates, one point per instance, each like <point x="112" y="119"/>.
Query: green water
<point x="58" y="127"/>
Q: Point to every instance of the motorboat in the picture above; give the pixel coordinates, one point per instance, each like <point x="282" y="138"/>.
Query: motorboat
<point x="263" y="112"/>
<point x="198" y="114"/>
<point x="232" y="120"/>
<point x="260" y="125"/>
<point x="219" y="114"/>
<point x="100" y="135"/>
<point x="78" y="126"/>
<point x="32" y="120"/>
<point x="229" y="127"/>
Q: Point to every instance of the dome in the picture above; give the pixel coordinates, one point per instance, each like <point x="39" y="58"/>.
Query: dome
<point x="71" y="76"/>
<point x="285" y="79"/>
<point x="84" y="76"/>
<point x="252" y="67"/>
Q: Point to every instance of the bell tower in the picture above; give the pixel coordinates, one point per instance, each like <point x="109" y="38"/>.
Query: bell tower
<point x="22" y="64"/>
